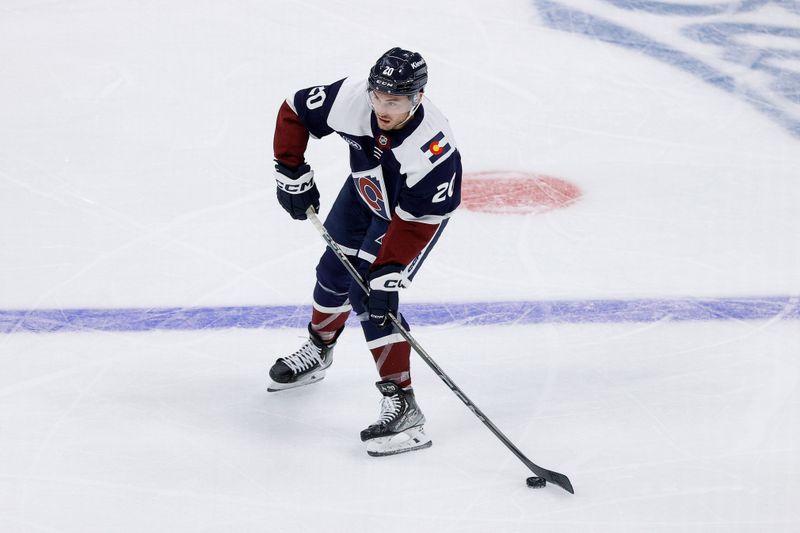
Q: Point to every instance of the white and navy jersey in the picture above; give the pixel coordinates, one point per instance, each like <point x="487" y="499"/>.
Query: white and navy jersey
<point x="414" y="172"/>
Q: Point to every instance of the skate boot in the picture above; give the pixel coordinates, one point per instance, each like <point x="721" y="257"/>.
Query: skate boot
<point x="399" y="426"/>
<point x="306" y="365"/>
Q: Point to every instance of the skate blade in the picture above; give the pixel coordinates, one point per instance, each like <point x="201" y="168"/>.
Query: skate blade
<point x="405" y="441"/>
<point x="317" y="376"/>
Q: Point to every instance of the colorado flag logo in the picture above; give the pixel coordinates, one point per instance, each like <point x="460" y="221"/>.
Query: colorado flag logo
<point x="436" y="147"/>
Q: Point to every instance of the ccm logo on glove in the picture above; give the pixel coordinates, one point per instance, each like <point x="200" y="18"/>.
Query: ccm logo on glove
<point x="296" y="190"/>
<point x="303" y="183"/>
<point x="384" y="284"/>
<point x="388" y="281"/>
<point x="295" y="182"/>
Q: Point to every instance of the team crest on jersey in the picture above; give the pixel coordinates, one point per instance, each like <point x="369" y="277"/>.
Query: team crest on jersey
<point x="436" y="147"/>
<point x="370" y="188"/>
<point x="382" y="142"/>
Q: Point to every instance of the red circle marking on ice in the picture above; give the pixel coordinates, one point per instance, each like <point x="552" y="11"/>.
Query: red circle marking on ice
<point x="510" y="192"/>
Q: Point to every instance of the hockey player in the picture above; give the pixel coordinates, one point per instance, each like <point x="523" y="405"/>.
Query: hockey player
<point x="404" y="184"/>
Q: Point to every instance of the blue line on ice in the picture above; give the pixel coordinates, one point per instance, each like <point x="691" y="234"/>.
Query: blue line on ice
<point x="473" y="314"/>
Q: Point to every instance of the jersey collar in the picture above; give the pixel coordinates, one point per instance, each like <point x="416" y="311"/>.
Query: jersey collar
<point x="398" y="136"/>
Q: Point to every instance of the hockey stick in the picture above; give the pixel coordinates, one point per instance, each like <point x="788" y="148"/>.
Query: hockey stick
<point x="553" y="477"/>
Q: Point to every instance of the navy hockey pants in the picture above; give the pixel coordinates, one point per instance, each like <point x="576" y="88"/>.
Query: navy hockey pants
<point x="358" y="232"/>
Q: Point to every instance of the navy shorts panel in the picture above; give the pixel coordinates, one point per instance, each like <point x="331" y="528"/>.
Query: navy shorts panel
<point x="353" y="225"/>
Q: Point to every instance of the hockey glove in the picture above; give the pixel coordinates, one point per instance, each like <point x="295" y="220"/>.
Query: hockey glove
<point x="384" y="282"/>
<point x="296" y="190"/>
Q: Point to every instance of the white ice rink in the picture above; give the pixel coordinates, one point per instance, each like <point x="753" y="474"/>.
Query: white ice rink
<point x="135" y="174"/>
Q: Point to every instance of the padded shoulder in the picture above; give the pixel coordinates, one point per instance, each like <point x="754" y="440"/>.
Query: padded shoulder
<point x="350" y="112"/>
<point x="431" y="144"/>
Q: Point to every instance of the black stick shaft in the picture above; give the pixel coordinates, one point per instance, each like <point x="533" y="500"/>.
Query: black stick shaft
<point x="553" y="477"/>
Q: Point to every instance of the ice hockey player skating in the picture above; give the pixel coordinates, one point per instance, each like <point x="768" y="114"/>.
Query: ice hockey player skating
<point x="405" y="183"/>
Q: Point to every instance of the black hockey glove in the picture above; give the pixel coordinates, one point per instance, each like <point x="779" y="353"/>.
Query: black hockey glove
<point x="384" y="282"/>
<point x="296" y="190"/>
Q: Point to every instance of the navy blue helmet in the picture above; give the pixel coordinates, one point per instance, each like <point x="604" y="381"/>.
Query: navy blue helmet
<point x="399" y="72"/>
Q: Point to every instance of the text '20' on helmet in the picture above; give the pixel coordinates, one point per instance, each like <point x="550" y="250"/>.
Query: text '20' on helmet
<point x="399" y="72"/>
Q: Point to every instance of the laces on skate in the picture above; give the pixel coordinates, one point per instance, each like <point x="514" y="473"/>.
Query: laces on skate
<point x="390" y="408"/>
<point x="304" y="358"/>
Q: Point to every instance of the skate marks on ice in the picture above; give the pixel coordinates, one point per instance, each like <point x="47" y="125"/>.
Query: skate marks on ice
<point x="663" y="426"/>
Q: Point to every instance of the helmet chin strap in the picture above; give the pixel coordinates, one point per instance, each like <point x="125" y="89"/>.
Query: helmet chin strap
<point x="401" y="124"/>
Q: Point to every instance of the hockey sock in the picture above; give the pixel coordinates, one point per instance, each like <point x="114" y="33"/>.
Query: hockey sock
<point x="393" y="362"/>
<point x="327" y="325"/>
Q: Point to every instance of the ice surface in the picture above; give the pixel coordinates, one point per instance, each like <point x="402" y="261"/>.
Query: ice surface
<point x="135" y="177"/>
<point x="660" y="427"/>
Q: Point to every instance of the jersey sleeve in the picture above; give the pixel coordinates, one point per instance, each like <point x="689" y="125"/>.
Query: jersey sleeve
<point x="291" y="138"/>
<point x="302" y="115"/>
<point x="313" y="106"/>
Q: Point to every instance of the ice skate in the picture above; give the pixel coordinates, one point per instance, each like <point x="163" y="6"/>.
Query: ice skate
<point x="399" y="425"/>
<point x="305" y="366"/>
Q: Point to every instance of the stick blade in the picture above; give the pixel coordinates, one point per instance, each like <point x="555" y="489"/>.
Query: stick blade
<point x="562" y="481"/>
<point x="553" y="477"/>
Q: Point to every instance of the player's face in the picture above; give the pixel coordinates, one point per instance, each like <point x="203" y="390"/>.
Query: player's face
<point x="392" y="111"/>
